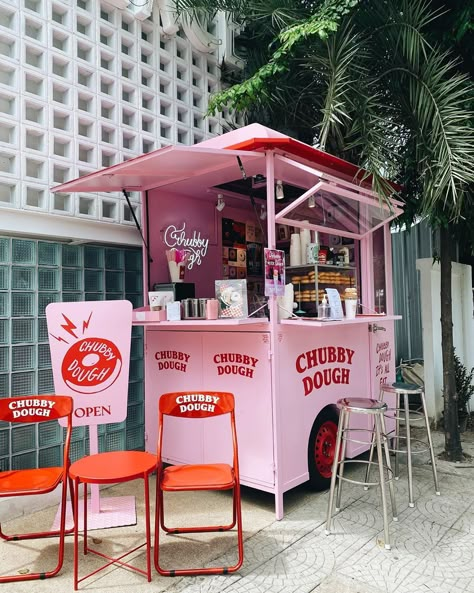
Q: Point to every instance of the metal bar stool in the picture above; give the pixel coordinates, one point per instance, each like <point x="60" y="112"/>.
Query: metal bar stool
<point x="399" y="413"/>
<point x="376" y="409"/>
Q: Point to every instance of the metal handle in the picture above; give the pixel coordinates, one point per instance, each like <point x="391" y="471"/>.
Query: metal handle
<point x="373" y="327"/>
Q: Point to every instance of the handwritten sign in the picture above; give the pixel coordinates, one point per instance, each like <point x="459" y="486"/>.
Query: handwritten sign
<point x="194" y="244"/>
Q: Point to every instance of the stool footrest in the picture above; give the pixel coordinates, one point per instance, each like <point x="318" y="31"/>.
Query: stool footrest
<point x="383" y="436"/>
<point x="368" y="463"/>
<point x="399" y="414"/>
<point x="426" y="446"/>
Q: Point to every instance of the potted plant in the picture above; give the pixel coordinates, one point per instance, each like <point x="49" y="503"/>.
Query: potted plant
<point x="464" y="390"/>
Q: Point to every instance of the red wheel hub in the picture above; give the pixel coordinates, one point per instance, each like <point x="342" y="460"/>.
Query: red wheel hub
<point x="324" y="448"/>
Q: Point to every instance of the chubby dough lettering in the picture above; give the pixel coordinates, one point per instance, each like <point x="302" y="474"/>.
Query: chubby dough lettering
<point x="197" y="402"/>
<point x="323" y="375"/>
<point x="240" y="364"/>
<point x="91" y="365"/>
<point x="31" y="407"/>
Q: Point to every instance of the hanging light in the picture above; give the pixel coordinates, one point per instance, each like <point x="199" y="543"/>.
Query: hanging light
<point x="279" y="193"/>
<point x="220" y="203"/>
<point x="311" y="202"/>
<point x="263" y="212"/>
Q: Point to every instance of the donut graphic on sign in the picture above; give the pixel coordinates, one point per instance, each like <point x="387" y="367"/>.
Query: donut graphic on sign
<point x="90" y="365"/>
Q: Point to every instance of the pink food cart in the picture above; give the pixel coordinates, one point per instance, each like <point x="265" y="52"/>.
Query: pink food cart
<point x="244" y="190"/>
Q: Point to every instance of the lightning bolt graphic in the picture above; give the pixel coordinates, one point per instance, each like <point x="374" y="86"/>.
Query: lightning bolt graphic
<point x="85" y="324"/>
<point x="59" y="339"/>
<point x="69" y="326"/>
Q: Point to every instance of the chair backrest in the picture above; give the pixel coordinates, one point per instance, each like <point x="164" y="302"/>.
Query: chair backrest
<point x="40" y="408"/>
<point x="196" y="404"/>
<point x="35" y="408"/>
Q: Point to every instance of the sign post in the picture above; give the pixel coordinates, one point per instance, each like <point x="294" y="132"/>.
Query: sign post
<point x="90" y="354"/>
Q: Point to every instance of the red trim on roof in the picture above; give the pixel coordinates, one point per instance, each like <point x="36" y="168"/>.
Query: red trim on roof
<point x="304" y="151"/>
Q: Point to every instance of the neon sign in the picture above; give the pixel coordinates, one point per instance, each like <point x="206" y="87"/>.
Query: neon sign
<point x="195" y="245"/>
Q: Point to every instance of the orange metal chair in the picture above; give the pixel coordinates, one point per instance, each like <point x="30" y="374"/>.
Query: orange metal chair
<point x="215" y="476"/>
<point x="25" y="482"/>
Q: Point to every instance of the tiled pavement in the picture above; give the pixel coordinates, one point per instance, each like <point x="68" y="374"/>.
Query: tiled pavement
<point x="432" y="544"/>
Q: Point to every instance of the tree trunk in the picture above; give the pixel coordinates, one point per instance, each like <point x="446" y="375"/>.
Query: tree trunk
<point x="451" y="427"/>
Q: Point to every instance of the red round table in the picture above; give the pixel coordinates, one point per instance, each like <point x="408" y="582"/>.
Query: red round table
<point x="111" y="468"/>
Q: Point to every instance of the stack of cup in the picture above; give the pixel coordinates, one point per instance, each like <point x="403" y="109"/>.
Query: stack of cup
<point x="350" y="302"/>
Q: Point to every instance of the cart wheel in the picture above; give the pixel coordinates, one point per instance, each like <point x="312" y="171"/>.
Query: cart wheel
<point x="321" y="446"/>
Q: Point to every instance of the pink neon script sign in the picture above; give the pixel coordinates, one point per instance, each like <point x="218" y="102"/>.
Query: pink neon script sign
<point x="90" y="352"/>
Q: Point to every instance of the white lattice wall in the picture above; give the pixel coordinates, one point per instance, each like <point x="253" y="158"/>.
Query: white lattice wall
<point x="84" y="85"/>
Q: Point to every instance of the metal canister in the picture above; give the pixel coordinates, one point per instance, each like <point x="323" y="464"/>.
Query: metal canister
<point x="186" y="308"/>
<point x="194" y="307"/>
<point x="202" y="308"/>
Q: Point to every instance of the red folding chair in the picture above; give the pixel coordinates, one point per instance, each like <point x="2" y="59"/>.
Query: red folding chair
<point x="210" y="476"/>
<point x="25" y="482"/>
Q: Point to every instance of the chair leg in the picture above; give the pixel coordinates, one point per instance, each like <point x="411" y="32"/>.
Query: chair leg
<point x="378" y="430"/>
<point x="237" y="512"/>
<point x="146" y="487"/>
<point x="430" y="441"/>
<point x="335" y="464"/>
<point x="76" y="531"/>
<point x="411" y="498"/>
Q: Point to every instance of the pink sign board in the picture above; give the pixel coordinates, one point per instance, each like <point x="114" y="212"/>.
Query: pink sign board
<point x="90" y="353"/>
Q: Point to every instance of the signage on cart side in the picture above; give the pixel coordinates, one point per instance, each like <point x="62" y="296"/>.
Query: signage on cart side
<point x="195" y="245"/>
<point x="172" y="360"/>
<point x="234" y="363"/>
<point x="384" y="356"/>
<point x="324" y="375"/>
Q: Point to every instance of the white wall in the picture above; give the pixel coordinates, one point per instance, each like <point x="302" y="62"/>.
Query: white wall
<point x="463" y="325"/>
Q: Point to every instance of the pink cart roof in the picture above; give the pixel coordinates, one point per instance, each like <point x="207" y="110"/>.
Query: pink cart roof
<point x="178" y="163"/>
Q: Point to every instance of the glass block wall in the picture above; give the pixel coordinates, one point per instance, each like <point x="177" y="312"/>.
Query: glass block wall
<point x="32" y="275"/>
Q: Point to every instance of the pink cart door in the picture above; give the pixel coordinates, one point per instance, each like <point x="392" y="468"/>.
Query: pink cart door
<point x="240" y="363"/>
<point x="173" y="363"/>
